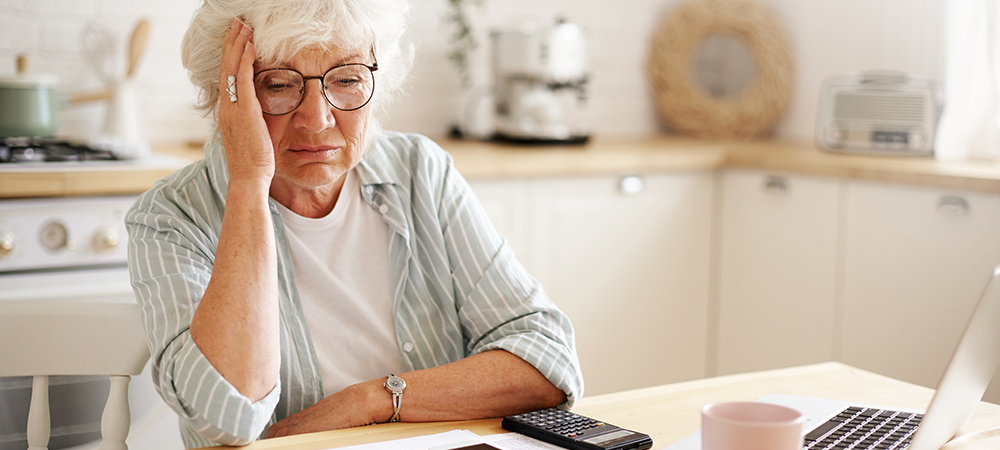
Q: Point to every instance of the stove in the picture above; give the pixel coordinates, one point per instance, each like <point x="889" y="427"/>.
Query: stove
<point x="62" y="234"/>
<point x="41" y="150"/>
<point x="72" y="249"/>
<point x="34" y="150"/>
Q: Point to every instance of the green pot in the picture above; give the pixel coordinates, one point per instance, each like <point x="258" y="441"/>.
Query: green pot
<point x="29" y="106"/>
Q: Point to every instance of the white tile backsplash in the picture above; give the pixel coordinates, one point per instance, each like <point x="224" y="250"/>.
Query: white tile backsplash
<point x="829" y="37"/>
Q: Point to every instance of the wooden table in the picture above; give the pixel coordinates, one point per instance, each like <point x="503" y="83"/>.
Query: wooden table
<point x="671" y="412"/>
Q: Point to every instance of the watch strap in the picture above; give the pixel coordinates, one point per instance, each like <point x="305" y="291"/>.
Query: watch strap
<point x="397" y="400"/>
<point x="395" y="386"/>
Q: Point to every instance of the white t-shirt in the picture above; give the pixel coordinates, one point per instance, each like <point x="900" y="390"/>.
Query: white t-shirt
<point x="342" y="271"/>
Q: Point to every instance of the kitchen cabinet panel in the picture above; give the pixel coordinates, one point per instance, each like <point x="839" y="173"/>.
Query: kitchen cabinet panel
<point x="777" y="270"/>
<point x="631" y="271"/>
<point x="806" y="268"/>
<point x="916" y="261"/>
<point x="506" y="204"/>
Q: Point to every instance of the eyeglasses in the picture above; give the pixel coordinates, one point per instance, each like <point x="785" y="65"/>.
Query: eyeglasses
<point x="347" y="87"/>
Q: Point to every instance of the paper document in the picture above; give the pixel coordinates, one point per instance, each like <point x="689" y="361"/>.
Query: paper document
<point x="449" y="439"/>
<point x="457" y="439"/>
<point x="516" y="441"/>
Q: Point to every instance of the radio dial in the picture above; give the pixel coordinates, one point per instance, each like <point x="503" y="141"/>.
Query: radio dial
<point x="6" y="243"/>
<point x="106" y="239"/>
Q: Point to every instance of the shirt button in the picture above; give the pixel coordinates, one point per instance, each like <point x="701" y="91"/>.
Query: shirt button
<point x="383" y="209"/>
<point x="408" y="347"/>
<point x="369" y="189"/>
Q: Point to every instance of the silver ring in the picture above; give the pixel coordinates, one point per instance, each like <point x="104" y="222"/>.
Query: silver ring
<point x="232" y="88"/>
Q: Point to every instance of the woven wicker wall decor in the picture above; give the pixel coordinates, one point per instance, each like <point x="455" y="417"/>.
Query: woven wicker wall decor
<point x="685" y="106"/>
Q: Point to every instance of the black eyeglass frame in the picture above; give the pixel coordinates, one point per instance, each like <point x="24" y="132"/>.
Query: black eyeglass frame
<point x="302" y="93"/>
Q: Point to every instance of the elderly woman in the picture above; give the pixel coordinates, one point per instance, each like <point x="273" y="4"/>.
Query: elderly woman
<point x="313" y="272"/>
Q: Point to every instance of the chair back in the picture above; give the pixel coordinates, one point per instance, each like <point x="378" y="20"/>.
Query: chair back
<point x="73" y="338"/>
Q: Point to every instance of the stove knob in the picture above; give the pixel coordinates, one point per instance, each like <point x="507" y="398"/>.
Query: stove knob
<point x="6" y="243"/>
<point x="54" y="236"/>
<point x="106" y="239"/>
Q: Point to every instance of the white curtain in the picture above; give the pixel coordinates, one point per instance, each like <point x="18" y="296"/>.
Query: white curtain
<point x="970" y="124"/>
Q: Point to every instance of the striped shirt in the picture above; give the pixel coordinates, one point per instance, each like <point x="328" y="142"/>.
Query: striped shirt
<point x="457" y="288"/>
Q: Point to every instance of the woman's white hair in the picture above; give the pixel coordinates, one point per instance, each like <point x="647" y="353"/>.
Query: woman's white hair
<point x="282" y="28"/>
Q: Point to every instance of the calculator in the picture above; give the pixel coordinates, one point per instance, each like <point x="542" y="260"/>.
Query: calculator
<point x="576" y="432"/>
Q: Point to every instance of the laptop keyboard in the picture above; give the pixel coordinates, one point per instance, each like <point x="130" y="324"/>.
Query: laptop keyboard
<point x="864" y="428"/>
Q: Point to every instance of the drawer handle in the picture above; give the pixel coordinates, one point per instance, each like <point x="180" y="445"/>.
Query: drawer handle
<point x="774" y="184"/>
<point x="953" y="205"/>
<point x="631" y="184"/>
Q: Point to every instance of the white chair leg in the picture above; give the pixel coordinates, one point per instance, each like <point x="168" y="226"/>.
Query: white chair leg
<point x="38" y="414"/>
<point x="116" y="419"/>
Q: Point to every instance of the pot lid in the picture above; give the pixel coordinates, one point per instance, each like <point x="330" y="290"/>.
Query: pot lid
<point x="28" y="81"/>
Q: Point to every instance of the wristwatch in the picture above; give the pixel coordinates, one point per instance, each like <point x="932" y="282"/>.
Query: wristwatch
<point x="395" y="385"/>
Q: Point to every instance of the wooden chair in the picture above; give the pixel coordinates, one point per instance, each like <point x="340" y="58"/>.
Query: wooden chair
<point x="44" y="338"/>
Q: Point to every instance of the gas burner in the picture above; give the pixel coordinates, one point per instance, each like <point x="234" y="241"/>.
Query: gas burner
<point x="44" y="150"/>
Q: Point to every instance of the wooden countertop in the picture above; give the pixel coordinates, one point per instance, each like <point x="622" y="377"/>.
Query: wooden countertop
<point x="111" y="178"/>
<point x="664" y="154"/>
<point x="602" y="156"/>
<point x="982" y="176"/>
<point x="479" y="160"/>
<point x="670" y="412"/>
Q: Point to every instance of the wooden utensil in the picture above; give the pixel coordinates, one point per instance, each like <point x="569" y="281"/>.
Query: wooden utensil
<point x="137" y="46"/>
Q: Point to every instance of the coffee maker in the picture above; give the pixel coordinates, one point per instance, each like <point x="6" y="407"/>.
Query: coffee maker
<point x="540" y="84"/>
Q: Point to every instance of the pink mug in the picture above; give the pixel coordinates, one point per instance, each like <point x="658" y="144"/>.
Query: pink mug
<point x="750" y="426"/>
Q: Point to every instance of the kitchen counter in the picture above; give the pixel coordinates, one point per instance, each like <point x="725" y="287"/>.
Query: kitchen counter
<point x="479" y="160"/>
<point x="602" y="156"/>
<point x="981" y="176"/>
<point x="663" y="154"/>
<point x="95" y="178"/>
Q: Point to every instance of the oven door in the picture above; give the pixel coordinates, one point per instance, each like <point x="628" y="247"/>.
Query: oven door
<point x="77" y="402"/>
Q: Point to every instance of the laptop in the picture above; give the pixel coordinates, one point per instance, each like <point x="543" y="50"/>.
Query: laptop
<point x="833" y="423"/>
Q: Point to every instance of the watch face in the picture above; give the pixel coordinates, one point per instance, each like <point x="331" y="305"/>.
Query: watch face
<point x="395" y="383"/>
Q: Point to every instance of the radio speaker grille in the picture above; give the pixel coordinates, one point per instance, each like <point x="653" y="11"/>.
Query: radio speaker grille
<point x="880" y="107"/>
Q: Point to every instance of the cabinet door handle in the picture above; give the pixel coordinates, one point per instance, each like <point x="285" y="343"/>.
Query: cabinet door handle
<point x="953" y="205"/>
<point x="775" y="184"/>
<point x="631" y="184"/>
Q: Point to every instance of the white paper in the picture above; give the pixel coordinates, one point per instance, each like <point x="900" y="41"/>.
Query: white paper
<point x="440" y="441"/>
<point x="456" y="439"/>
<point x="515" y="441"/>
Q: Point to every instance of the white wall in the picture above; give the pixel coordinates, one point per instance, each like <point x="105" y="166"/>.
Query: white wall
<point x="830" y="37"/>
<point x="833" y="37"/>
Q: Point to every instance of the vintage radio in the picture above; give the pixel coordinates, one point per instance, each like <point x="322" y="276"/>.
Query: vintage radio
<point x="879" y="112"/>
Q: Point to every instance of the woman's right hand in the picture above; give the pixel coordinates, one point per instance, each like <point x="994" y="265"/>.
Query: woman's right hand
<point x="245" y="136"/>
<point x="236" y="322"/>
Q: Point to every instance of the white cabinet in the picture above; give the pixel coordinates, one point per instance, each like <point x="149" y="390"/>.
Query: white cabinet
<point x="915" y="262"/>
<point x="784" y="269"/>
<point x="630" y="270"/>
<point x="877" y="275"/>
<point x="506" y="204"/>
<point x="777" y="270"/>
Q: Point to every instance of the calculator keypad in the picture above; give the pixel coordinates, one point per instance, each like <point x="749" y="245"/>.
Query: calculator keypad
<point x="558" y="421"/>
